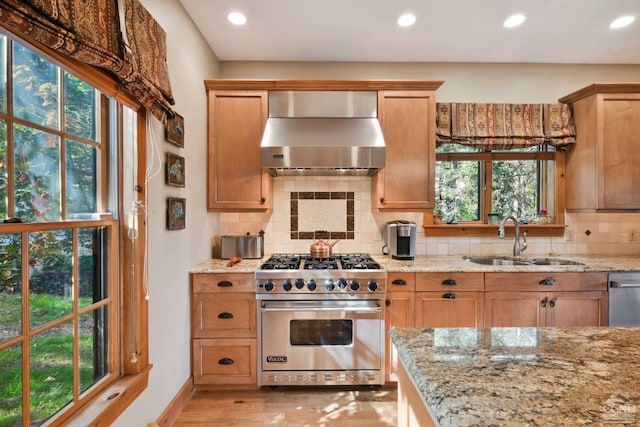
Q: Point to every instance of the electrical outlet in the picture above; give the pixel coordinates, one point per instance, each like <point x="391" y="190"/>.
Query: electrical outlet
<point x="633" y="235"/>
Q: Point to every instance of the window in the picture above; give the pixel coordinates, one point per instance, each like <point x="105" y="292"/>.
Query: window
<point x="472" y="182"/>
<point x="63" y="325"/>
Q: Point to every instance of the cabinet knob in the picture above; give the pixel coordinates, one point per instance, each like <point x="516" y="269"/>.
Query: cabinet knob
<point x="449" y="282"/>
<point x="225" y="361"/>
<point x="225" y="315"/>
<point x="399" y="282"/>
<point x="225" y="284"/>
<point x="382" y="200"/>
<point x="543" y="303"/>
<point x="450" y="295"/>
<point x="552" y="303"/>
<point x="387" y="302"/>
<point x="262" y="200"/>
<point x="547" y="282"/>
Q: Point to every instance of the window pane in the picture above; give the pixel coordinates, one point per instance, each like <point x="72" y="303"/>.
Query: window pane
<point x="35" y="88"/>
<point x="3" y="170"/>
<point x="515" y="188"/>
<point x="79" y="107"/>
<point x="93" y="347"/>
<point x="3" y="74"/>
<point x="93" y="266"/>
<point x="11" y="386"/>
<point x="51" y="361"/>
<point x="456" y="148"/>
<point x="37" y="174"/>
<point x="81" y="171"/>
<point x="50" y="276"/>
<point x="10" y="287"/>
<point x="458" y="190"/>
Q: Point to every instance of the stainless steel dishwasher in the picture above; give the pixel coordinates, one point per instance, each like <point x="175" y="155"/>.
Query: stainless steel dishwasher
<point x="624" y="299"/>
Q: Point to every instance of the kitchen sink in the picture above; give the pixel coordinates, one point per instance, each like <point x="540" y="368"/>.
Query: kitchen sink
<point x="500" y="260"/>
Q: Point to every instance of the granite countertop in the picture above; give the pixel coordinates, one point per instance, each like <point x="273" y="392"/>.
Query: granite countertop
<point x="525" y="376"/>
<point x="446" y="264"/>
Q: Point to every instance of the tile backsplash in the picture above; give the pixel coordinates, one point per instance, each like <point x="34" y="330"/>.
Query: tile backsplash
<point x="586" y="233"/>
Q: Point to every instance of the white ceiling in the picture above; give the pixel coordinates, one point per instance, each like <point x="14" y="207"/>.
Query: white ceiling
<point x="555" y="31"/>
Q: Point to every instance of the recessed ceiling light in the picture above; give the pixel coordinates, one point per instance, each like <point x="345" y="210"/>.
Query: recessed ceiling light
<point x="407" y="20"/>
<point x="237" y="18"/>
<point x="514" y="20"/>
<point x="622" y="21"/>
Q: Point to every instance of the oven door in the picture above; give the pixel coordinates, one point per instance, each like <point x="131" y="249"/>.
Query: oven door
<point x="305" y="335"/>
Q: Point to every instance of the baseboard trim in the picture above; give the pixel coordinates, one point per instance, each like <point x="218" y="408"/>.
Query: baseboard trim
<point x="171" y="413"/>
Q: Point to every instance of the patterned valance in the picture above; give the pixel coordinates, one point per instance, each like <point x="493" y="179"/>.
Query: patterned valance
<point x="89" y="31"/>
<point x="505" y="126"/>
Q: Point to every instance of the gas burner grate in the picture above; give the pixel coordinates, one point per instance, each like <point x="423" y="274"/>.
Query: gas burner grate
<point x="330" y="263"/>
<point x="358" y="262"/>
<point x="282" y="262"/>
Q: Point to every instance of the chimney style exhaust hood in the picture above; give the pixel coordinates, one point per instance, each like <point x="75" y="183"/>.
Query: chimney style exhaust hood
<point x="322" y="133"/>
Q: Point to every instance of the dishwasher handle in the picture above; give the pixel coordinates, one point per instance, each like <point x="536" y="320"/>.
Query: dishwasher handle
<point x="616" y="284"/>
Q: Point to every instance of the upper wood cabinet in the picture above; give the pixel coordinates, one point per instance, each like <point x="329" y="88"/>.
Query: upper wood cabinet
<point x="236" y="180"/>
<point x="601" y="170"/>
<point x="406" y="183"/>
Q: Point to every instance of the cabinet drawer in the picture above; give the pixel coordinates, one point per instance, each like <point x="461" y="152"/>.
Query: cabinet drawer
<point x="224" y="361"/>
<point x="453" y="282"/>
<point x="234" y="282"/>
<point x="527" y="282"/>
<point x="401" y="282"/>
<point x="449" y="309"/>
<point x="224" y="315"/>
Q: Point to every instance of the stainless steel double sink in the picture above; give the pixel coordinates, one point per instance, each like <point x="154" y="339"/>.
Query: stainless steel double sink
<point x="503" y="261"/>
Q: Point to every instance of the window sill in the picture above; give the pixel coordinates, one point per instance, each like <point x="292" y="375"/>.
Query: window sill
<point x="481" y="230"/>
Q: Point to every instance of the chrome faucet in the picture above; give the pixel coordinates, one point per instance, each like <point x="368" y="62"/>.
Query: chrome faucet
<point x="518" y="247"/>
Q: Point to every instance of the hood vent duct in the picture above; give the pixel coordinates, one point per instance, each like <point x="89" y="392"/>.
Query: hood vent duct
<point x="322" y="133"/>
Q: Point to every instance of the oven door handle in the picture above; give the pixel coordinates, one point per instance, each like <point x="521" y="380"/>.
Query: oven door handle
<point x="306" y="307"/>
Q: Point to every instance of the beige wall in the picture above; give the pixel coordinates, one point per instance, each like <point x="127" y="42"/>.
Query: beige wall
<point x="608" y="233"/>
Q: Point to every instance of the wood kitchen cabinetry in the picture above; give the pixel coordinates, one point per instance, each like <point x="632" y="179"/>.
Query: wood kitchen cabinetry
<point x="545" y="299"/>
<point x="407" y="182"/>
<point x="449" y="300"/>
<point x="399" y="313"/>
<point x="223" y="329"/>
<point x="601" y="169"/>
<point x="236" y="181"/>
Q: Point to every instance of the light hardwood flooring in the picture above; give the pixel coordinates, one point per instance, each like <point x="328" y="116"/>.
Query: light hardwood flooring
<point x="292" y="406"/>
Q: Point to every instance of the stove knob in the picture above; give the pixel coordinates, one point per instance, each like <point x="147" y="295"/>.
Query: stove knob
<point x="354" y="285"/>
<point x="299" y="283"/>
<point x="372" y="285"/>
<point x="311" y="285"/>
<point x="268" y="285"/>
<point x="342" y="283"/>
<point x="329" y="285"/>
<point x="287" y="285"/>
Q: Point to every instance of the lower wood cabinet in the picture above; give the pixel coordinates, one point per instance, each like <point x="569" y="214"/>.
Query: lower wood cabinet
<point x="223" y="328"/>
<point x="449" y="309"/>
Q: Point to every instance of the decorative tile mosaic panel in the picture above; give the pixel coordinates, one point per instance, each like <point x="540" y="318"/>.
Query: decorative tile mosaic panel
<point x="327" y="214"/>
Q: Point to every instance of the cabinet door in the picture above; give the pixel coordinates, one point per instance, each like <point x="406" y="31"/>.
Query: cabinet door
<point x="503" y="309"/>
<point x="236" y="180"/>
<point x="619" y="185"/>
<point x="399" y="313"/>
<point x="577" y="309"/>
<point x="408" y="121"/>
<point x="449" y="309"/>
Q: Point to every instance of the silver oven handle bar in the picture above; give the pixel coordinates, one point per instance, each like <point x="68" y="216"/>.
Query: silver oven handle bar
<point x="343" y="309"/>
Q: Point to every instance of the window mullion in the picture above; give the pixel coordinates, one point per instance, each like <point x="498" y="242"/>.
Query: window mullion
<point x="26" y="335"/>
<point x="76" y="317"/>
<point x="486" y="207"/>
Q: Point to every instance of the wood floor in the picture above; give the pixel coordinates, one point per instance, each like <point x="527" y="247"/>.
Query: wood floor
<point x="292" y="406"/>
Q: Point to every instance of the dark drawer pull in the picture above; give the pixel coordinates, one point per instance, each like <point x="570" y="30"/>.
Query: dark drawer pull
<point x="225" y="284"/>
<point x="225" y="361"/>
<point x="225" y="315"/>
<point x="399" y="282"/>
<point x="450" y="295"/>
<point x="449" y="282"/>
<point x="547" y="282"/>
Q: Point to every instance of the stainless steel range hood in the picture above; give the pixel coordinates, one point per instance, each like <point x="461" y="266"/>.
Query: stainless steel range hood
<point x="322" y="133"/>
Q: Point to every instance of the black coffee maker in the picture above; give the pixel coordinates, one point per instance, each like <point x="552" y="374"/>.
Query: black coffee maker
<point x="400" y="239"/>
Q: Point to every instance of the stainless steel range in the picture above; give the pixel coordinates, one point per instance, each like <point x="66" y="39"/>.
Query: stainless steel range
<point x="321" y="320"/>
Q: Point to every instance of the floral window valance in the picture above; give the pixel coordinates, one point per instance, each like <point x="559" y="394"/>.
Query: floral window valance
<point x="504" y="126"/>
<point x="89" y="31"/>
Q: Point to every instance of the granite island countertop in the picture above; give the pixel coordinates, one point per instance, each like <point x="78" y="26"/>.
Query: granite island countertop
<point x="525" y="376"/>
<point x="448" y="263"/>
